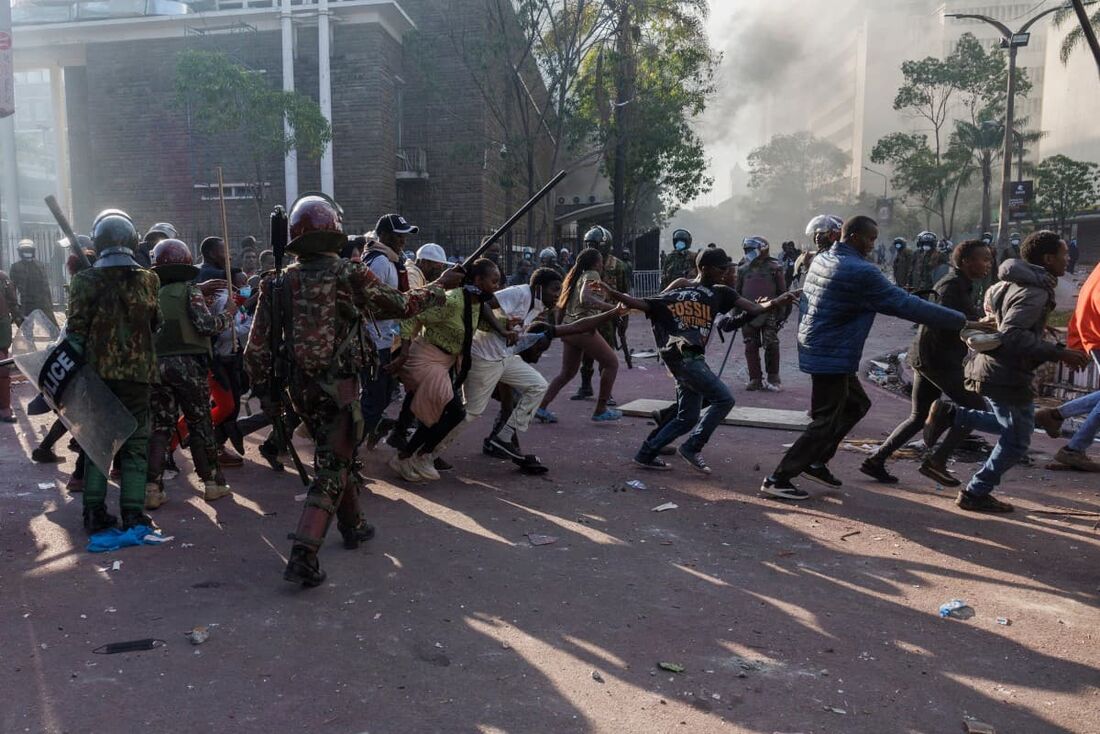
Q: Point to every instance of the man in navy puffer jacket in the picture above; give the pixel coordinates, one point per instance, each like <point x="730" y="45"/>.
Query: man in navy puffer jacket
<point x="843" y="293"/>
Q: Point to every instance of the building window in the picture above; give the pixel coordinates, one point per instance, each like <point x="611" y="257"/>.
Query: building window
<point x="209" y="192"/>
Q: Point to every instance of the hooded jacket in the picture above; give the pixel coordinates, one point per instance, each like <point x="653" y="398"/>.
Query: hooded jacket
<point x="1021" y="309"/>
<point x="1084" y="327"/>
<point x="842" y="295"/>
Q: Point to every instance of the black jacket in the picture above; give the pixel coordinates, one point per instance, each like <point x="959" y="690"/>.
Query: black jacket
<point x="941" y="350"/>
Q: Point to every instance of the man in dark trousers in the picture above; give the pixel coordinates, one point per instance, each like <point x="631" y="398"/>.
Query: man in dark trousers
<point x="843" y="293"/>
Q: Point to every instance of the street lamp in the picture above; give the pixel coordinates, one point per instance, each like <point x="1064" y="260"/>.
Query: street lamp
<point x="1013" y="41"/>
<point x="885" y="181"/>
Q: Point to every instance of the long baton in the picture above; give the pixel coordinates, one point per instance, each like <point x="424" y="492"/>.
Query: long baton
<point x="228" y="263"/>
<point x="513" y="219"/>
<point x="67" y="230"/>
<point x="729" y="349"/>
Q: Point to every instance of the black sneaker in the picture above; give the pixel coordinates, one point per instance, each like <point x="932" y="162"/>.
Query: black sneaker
<point x="877" y="471"/>
<point x="940" y="417"/>
<point x="822" y="475"/>
<point x="988" y="503"/>
<point x="509" y="449"/>
<point x="695" y="460"/>
<point x="654" y="463"/>
<point x="442" y="464"/>
<point x="938" y="474"/>
<point x="783" y="489"/>
<point x="488" y="449"/>
<point x="43" y="455"/>
<point x="611" y="402"/>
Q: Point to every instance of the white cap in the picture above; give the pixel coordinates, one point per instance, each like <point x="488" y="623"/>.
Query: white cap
<point x="432" y="253"/>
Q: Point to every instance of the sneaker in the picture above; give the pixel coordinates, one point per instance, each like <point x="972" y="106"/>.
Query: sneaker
<point x="155" y="496"/>
<point x="940" y="417"/>
<point x="988" y="503"/>
<point x="442" y="464"/>
<point x="542" y="415"/>
<point x="270" y="454"/>
<point x="782" y="489"/>
<point x="608" y="415"/>
<point x="877" y="471"/>
<point x="404" y="469"/>
<point x="584" y="392"/>
<point x="214" y="491"/>
<point x="424" y="465"/>
<point x="695" y="460"/>
<point x="506" y="449"/>
<point x="1078" y="460"/>
<point x="611" y="401"/>
<point x="654" y="463"/>
<point x="767" y="386"/>
<point x="822" y="475"/>
<point x="44" y="456"/>
<point x="1050" y="420"/>
<point x="938" y="473"/>
<point x="754" y="385"/>
<point x="228" y="458"/>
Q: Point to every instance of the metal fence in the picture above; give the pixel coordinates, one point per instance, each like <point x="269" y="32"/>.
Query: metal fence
<point x="647" y="283"/>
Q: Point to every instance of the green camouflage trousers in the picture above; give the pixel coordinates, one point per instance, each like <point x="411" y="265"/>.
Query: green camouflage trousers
<point x="184" y="389"/>
<point x="132" y="455"/>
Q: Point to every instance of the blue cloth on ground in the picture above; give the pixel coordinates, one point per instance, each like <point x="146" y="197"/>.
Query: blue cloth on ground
<point x="113" y="539"/>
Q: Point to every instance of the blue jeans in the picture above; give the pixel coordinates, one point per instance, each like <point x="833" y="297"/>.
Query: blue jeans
<point x="1088" y="405"/>
<point x="695" y="382"/>
<point x="1013" y="424"/>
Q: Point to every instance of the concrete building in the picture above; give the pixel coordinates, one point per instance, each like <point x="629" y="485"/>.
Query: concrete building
<point x="411" y="130"/>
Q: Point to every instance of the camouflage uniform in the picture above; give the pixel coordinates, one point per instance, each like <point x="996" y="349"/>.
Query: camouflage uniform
<point x="677" y="265"/>
<point x="924" y="265"/>
<point x="903" y="266"/>
<point x="33" y="284"/>
<point x="761" y="278"/>
<point x="183" y="385"/>
<point x="9" y="314"/>
<point x="113" y="314"/>
<point x="324" y="302"/>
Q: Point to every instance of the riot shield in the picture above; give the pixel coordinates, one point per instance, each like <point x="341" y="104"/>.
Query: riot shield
<point x="96" y="419"/>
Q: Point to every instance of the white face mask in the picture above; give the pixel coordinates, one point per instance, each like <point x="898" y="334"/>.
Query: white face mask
<point x="750" y="255"/>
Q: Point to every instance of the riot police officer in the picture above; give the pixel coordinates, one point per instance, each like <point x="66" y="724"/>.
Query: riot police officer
<point x="681" y="261"/>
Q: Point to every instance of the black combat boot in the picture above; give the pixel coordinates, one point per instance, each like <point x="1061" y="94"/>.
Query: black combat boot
<point x="353" y="536"/>
<point x="304" y="568"/>
<point x="133" y="518"/>
<point x="97" y="519"/>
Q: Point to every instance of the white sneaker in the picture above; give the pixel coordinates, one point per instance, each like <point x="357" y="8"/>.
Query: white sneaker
<point x="771" y="387"/>
<point x="424" y="465"/>
<point x="404" y="469"/>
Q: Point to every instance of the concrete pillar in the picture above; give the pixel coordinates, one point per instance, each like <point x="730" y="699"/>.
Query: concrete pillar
<point x="61" y="140"/>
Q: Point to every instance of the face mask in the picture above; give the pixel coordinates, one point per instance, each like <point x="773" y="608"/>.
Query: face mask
<point x="26" y="256"/>
<point x="246" y="291"/>
<point x="751" y="255"/>
<point x="899" y="246"/>
<point x="926" y="248"/>
<point x="679" y="246"/>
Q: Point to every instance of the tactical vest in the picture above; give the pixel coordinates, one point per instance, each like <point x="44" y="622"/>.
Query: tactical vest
<point x="177" y="334"/>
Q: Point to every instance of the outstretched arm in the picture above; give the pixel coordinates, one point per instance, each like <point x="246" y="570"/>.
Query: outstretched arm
<point x="591" y="323"/>
<point x="628" y="301"/>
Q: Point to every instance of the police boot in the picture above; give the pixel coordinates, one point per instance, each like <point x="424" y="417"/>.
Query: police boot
<point x="97" y="519"/>
<point x="133" y="518"/>
<point x="585" y="390"/>
<point x="354" y="535"/>
<point x="303" y="567"/>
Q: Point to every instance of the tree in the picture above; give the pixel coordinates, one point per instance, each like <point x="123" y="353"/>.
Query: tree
<point x="970" y="83"/>
<point x="637" y="99"/>
<point x="1075" y="37"/>
<point x="224" y="98"/>
<point x="797" y="169"/>
<point x="1065" y="187"/>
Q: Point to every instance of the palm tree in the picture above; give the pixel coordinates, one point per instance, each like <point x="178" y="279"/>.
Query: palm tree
<point x="1076" y="36"/>
<point x="985" y="141"/>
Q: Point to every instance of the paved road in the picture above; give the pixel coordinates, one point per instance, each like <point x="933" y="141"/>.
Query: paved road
<point x="451" y="621"/>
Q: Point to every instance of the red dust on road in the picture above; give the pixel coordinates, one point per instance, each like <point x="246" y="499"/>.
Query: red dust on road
<point x="812" y="617"/>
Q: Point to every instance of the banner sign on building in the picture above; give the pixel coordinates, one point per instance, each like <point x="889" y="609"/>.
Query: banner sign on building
<point x="885" y="210"/>
<point x="1021" y="196"/>
<point x="7" y="64"/>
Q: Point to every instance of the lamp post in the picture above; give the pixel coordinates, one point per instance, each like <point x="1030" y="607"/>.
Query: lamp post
<point x="1013" y="41"/>
<point x="885" y="181"/>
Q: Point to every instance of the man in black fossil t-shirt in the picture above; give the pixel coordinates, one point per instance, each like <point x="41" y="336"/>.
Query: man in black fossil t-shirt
<point x="683" y="318"/>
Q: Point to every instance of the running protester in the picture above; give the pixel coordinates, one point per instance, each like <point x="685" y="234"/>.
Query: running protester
<point x="578" y="300"/>
<point x="683" y="318"/>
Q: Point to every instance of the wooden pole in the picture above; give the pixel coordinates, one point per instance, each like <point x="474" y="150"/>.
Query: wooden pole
<point x="228" y="261"/>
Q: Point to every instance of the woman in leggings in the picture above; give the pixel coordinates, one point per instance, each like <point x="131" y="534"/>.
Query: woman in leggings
<point x="578" y="301"/>
<point x="937" y="358"/>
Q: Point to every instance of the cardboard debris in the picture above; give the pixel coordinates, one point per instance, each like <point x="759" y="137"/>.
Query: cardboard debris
<point x="783" y="420"/>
